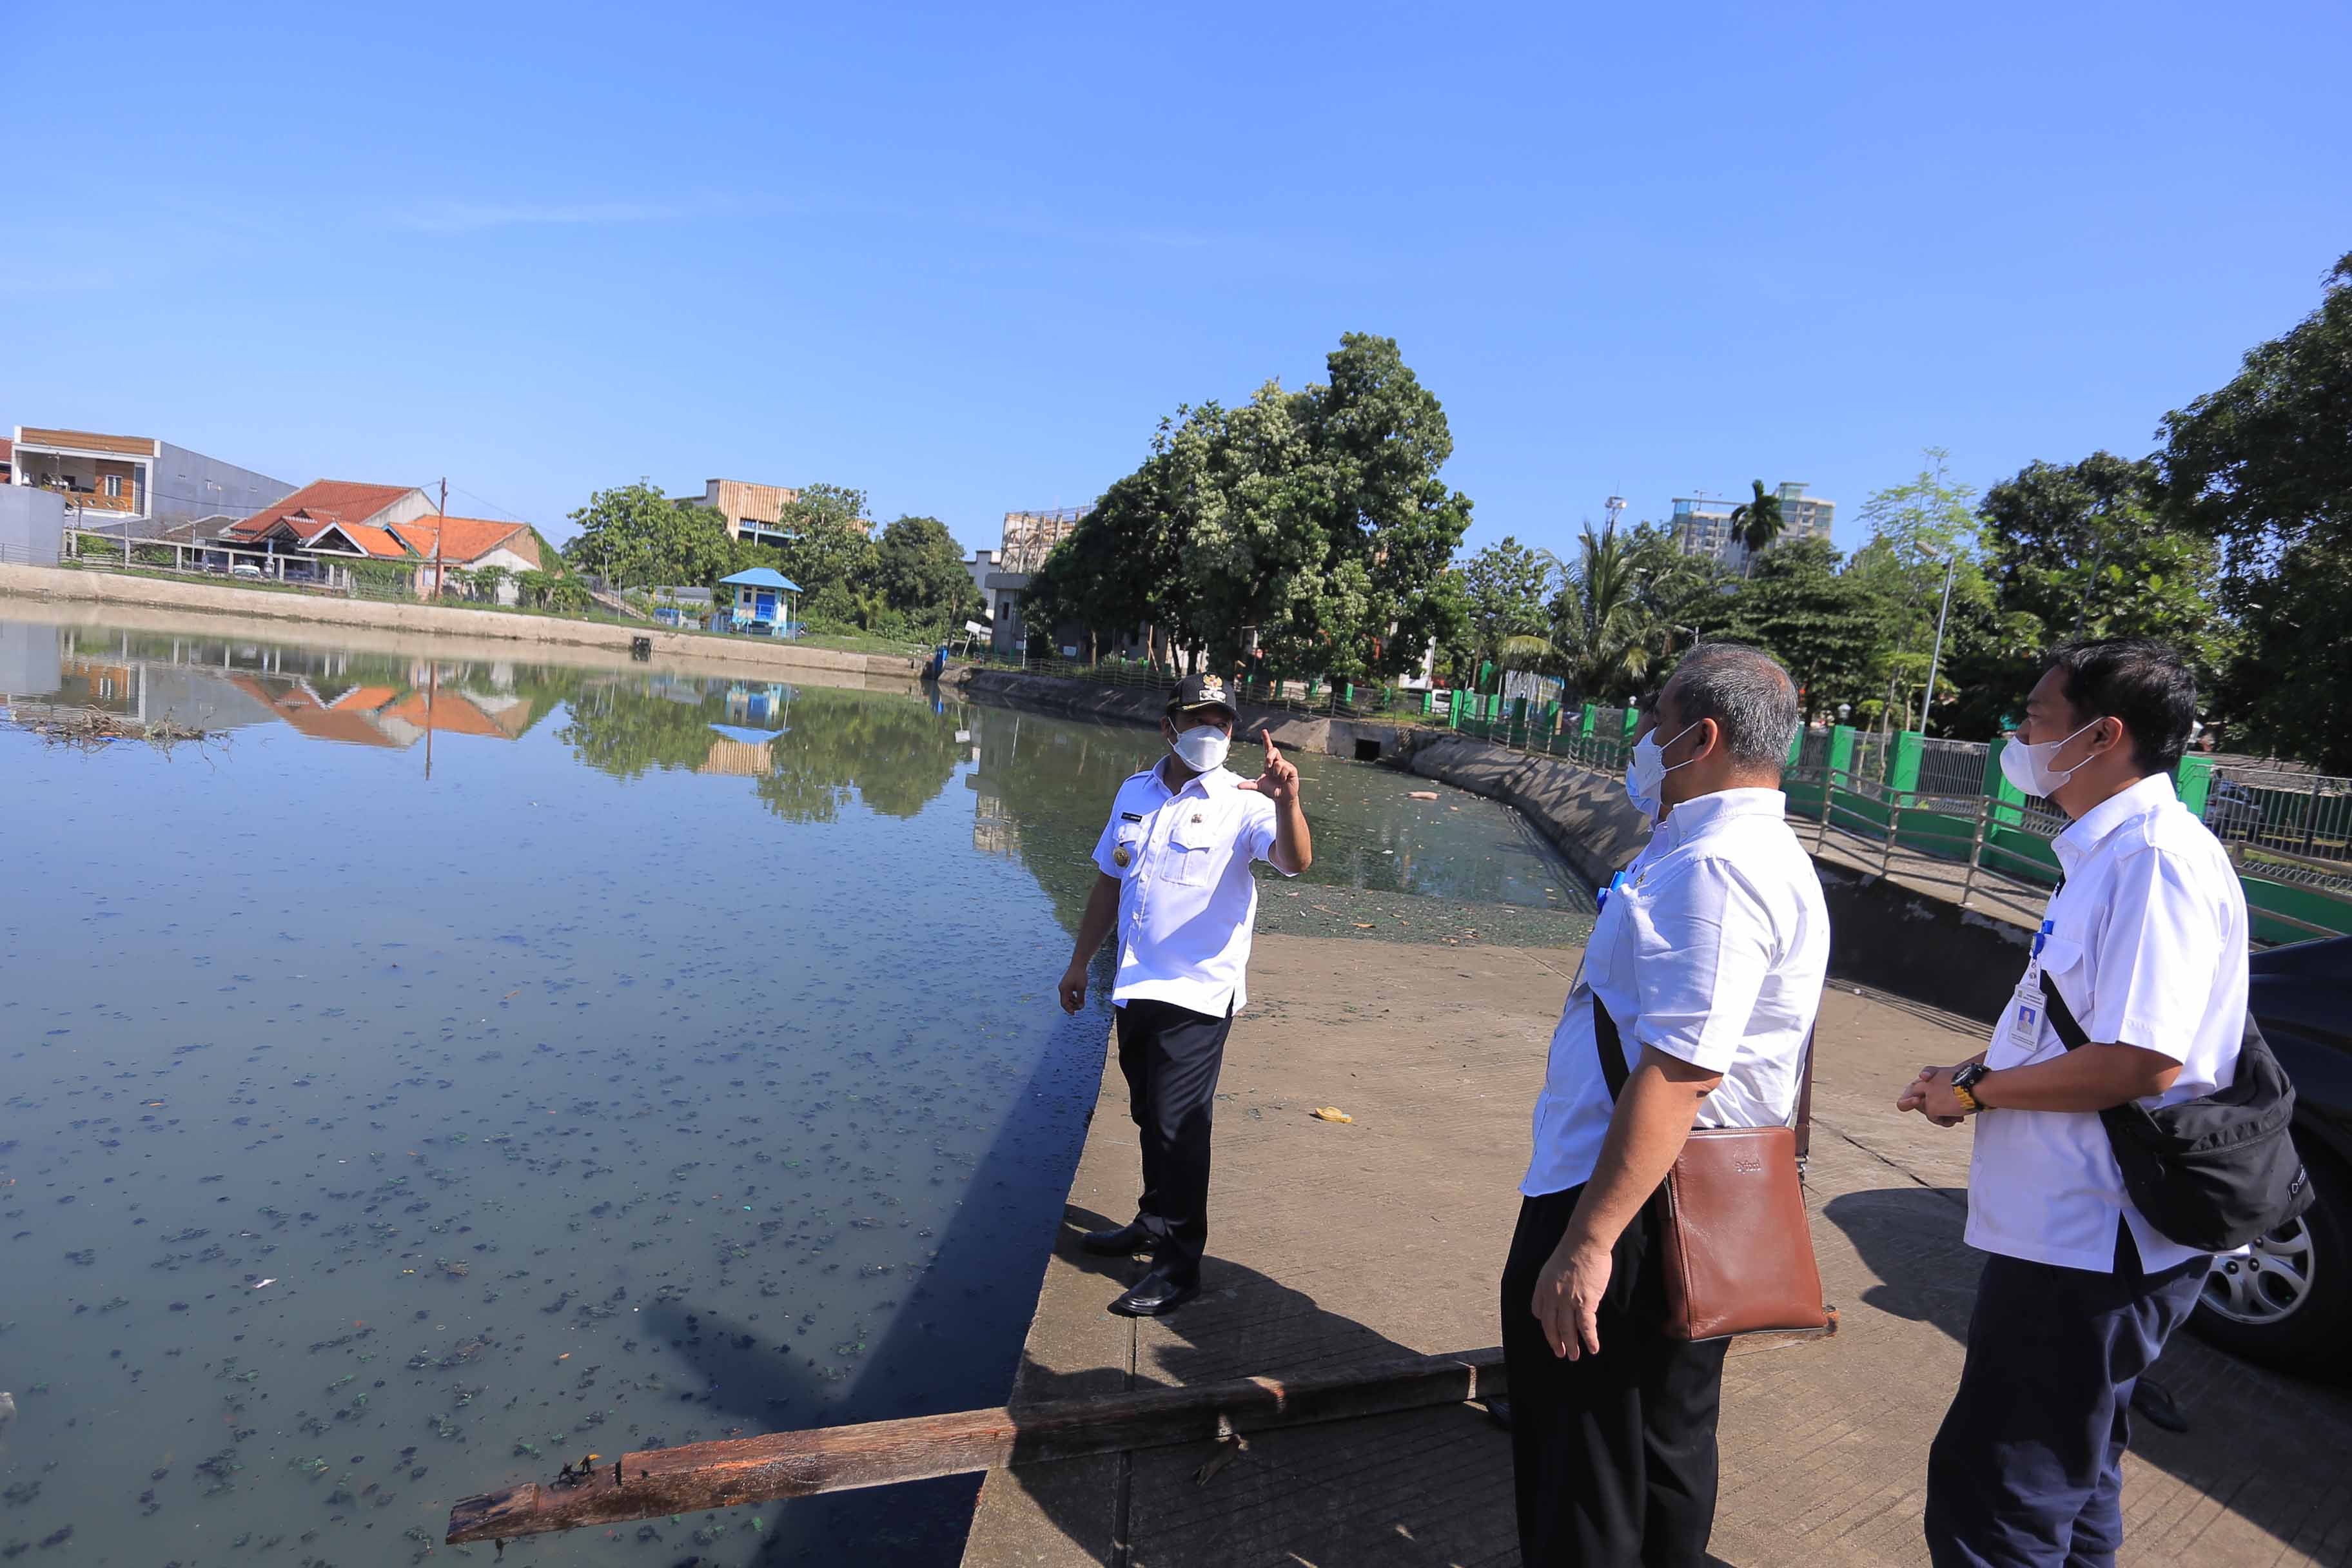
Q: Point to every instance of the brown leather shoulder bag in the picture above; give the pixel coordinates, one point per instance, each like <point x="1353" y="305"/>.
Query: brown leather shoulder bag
<point x="1733" y="1244"/>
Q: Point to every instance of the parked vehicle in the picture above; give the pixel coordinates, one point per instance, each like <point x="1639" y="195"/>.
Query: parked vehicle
<point x="2286" y="1298"/>
<point x="243" y="569"/>
<point x="2233" y="812"/>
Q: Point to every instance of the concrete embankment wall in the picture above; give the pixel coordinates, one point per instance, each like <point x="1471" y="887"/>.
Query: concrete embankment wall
<point x="1881" y="933"/>
<point x="780" y="660"/>
<point x="1363" y="740"/>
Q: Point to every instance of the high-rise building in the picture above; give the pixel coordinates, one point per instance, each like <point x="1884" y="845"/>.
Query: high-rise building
<point x="1703" y="526"/>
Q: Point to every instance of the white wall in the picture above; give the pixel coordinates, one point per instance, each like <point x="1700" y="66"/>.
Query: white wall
<point x="32" y="525"/>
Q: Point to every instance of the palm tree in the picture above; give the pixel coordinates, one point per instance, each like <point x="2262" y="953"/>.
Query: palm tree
<point x="1757" y="523"/>
<point x="1600" y="642"/>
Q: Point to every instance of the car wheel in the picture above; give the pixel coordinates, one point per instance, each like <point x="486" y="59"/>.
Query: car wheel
<point x="2287" y="1299"/>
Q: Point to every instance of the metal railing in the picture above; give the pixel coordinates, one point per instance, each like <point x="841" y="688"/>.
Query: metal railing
<point x="2284" y="813"/>
<point x="1972" y="841"/>
<point x="1952" y="767"/>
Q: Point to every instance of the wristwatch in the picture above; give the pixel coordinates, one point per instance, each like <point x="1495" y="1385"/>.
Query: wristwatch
<point x="1964" y="1082"/>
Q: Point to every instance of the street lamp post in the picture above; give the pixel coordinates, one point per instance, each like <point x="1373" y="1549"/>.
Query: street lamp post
<point x="1927" y="702"/>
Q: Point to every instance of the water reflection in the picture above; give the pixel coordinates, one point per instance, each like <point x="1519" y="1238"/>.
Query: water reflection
<point x="370" y="1140"/>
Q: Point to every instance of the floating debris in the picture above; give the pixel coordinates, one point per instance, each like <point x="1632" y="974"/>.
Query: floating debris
<point x="90" y="729"/>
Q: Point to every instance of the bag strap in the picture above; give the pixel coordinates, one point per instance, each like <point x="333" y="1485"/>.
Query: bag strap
<point x="1610" y="1046"/>
<point x="2062" y="1017"/>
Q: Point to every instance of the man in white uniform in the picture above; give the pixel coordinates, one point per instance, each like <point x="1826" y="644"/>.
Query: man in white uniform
<point x="1704" y="973"/>
<point x="1174" y="864"/>
<point x="2145" y="942"/>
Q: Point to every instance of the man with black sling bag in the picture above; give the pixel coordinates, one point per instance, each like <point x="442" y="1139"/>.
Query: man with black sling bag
<point x="2127" y="1030"/>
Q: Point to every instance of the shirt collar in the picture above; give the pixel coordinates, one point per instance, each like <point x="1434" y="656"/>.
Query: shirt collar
<point x="2085" y="833"/>
<point x="1701" y="814"/>
<point x="1216" y="781"/>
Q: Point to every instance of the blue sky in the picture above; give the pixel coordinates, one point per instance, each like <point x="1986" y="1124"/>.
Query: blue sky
<point x="965" y="258"/>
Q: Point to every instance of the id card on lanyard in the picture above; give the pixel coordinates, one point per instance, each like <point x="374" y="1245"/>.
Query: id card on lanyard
<point x="2023" y="1019"/>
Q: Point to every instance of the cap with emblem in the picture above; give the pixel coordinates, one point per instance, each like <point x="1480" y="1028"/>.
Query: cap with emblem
<point x="1202" y="691"/>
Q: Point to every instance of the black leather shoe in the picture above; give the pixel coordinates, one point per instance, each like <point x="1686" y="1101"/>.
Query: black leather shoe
<point x="1126" y="1240"/>
<point x="1155" y="1296"/>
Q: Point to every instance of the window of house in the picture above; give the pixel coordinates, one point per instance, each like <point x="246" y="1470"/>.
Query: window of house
<point x="114" y="486"/>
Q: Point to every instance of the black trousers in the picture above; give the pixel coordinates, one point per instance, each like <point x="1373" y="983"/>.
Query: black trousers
<point x="1170" y="1055"/>
<point x="2027" y="1470"/>
<point x="1614" y="1454"/>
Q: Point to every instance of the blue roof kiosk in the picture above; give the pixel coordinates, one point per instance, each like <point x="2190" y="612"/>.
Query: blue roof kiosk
<point x="764" y="602"/>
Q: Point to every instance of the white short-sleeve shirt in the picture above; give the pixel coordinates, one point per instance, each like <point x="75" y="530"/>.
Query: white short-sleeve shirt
<point x="1713" y="948"/>
<point x="2145" y="941"/>
<point x="1186" y="897"/>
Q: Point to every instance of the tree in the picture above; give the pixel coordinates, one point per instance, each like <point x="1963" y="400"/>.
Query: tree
<point x="1824" y="626"/>
<point x="490" y="582"/>
<point x="827" y="538"/>
<point x="533" y="587"/>
<point x="634" y="535"/>
<point x="1917" y="531"/>
<point x="1599" y="641"/>
<point x="1681" y="598"/>
<point x="2263" y="466"/>
<point x="919" y="570"/>
<point x="1315" y="517"/>
<point x="2086" y="550"/>
<point x="1757" y="523"/>
<point x="1504" y="587"/>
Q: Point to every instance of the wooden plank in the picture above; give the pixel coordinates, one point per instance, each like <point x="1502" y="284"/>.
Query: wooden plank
<point x="90" y="441"/>
<point x="727" y="1474"/>
<point x="733" y="1472"/>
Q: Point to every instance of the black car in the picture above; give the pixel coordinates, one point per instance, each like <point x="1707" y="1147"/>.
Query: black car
<point x="2287" y="1299"/>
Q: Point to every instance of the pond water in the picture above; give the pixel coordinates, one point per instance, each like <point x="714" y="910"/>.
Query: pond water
<point x="456" y="1066"/>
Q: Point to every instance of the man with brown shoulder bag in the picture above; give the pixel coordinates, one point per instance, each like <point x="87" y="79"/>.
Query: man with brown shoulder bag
<point x="1642" y="1243"/>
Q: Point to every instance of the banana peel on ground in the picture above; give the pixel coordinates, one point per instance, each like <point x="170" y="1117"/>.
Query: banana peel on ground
<point x="1330" y="1113"/>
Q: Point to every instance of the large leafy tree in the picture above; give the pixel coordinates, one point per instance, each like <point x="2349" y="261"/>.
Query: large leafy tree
<point x="2086" y="549"/>
<point x="2264" y="465"/>
<point x="827" y="538"/>
<point x="1919" y="531"/>
<point x="919" y="570"/>
<point x="1824" y="625"/>
<point x="1504" y="587"/>
<point x="633" y="536"/>
<point x="1315" y="517"/>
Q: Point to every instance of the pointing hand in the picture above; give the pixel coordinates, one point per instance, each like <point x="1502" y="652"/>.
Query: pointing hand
<point x="1279" y="782"/>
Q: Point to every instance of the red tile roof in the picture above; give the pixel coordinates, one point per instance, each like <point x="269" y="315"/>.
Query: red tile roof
<point x="378" y="544"/>
<point x="464" y="540"/>
<point x="454" y="713"/>
<point x="319" y="502"/>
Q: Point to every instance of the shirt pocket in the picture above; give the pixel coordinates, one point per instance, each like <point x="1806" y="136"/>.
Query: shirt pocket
<point x="1185" y="860"/>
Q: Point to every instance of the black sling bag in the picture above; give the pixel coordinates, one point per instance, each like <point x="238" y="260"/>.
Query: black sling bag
<point x="2211" y="1173"/>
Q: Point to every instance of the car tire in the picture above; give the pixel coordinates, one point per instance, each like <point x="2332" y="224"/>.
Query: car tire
<point x="2295" y="1318"/>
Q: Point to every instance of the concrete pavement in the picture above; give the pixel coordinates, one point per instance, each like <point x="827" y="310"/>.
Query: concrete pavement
<point x="1334" y="1244"/>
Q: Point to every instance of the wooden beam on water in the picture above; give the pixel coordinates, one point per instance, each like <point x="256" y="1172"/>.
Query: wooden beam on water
<point x="729" y="1473"/>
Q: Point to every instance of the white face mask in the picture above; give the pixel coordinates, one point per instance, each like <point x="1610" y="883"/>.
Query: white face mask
<point x="2029" y="766"/>
<point x="1645" y="776"/>
<point x="1202" y="747"/>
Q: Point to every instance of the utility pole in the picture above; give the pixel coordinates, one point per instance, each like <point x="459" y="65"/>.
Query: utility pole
<point x="1927" y="702"/>
<point x="440" y="529"/>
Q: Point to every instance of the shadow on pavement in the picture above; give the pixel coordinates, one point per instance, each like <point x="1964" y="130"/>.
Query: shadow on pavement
<point x="1429" y="1486"/>
<point x="2269" y="1449"/>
